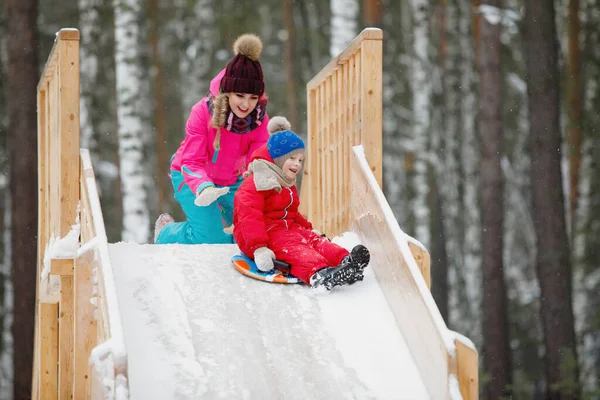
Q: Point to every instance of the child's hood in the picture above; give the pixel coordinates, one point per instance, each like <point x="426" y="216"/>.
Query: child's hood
<point x="261" y="153"/>
<point x="215" y="85"/>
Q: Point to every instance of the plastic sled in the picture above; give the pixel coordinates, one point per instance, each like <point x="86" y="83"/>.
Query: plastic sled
<point x="279" y="274"/>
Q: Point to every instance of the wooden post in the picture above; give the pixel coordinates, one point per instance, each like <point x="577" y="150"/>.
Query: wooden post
<point x="371" y="122"/>
<point x="68" y="100"/>
<point x="65" y="339"/>
<point x="423" y="260"/>
<point x="467" y="365"/>
<point x="48" y="352"/>
<point x="58" y="185"/>
<point x="85" y="324"/>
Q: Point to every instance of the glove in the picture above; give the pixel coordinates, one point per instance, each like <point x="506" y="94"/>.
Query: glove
<point x="209" y="195"/>
<point x="263" y="257"/>
<point x="228" y="230"/>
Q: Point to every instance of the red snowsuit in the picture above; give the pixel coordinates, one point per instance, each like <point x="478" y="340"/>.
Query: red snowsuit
<point x="271" y="219"/>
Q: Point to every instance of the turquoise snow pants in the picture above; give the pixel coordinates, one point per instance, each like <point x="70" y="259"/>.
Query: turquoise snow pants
<point x="204" y="224"/>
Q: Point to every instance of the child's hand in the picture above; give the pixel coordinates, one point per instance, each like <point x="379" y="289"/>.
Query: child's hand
<point x="263" y="257"/>
<point x="209" y="195"/>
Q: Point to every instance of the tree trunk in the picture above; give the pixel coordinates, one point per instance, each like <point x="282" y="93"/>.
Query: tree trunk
<point x="290" y="62"/>
<point x="421" y="110"/>
<point x="575" y="108"/>
<point x="344" y="15"/>
<point x="468" y="260"/>
<point x="495" y="327"/>
<point x="372" y="11"/>
<point x="88" y="21"/>
<point x="22" y="78"/>
<point x="552" y="260"/>
<point x="162" y="160"/>
<point x="136" y="220"/>
<point x="439" y="256"/>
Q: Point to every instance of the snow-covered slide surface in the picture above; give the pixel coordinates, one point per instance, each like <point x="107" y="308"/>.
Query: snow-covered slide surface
<point x="196" y="328"/>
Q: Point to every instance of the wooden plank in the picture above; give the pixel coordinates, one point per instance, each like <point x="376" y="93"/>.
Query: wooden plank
<point x="419" y="321"/>
<point x="318" y="177"/>
<point x="467" y="360"/>
<point x="372" y="100"/>
<point x="423" y="260"/>
<point x="53" y="152"/>
<point x="327" y="171"/>
<point x="372" y="34"/>
<point x="85" y="324"/>
<point x="339" y="202"/>
<point x="69" y="133"/>
<point x="41" y="122"/>
<point x="51" y="63"/>
<point x="62" y="266"/>
<point x="65" y="339"/>
<point x="307" y="179"/>
<point x="48" y="360"/>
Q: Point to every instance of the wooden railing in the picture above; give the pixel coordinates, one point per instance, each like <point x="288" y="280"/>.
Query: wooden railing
<point x="76" y="305"/>
<point x="344" y="105"/>
<point x="341" y="191"/>
<point x="79" y="345"/>
<point x="443" y="357"/>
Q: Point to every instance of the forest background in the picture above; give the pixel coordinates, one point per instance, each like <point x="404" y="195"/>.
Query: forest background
<point x="490" y="136"/>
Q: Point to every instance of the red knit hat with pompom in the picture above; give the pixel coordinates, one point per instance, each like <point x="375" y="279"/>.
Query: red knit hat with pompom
<point x="243" y="73"/>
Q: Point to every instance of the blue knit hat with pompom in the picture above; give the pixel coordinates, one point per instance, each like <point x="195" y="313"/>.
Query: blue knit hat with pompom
<point x="282" y="144"/>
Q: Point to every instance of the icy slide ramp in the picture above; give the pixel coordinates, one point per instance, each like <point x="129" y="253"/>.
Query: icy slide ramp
<point x="196" y="328"/>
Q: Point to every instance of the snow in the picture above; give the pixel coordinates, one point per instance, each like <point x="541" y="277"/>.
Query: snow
<point x="495" y="15"/>
<point x="67" y="246"/>
<point x="454" y="388"/>
<point x="196" y="328"/>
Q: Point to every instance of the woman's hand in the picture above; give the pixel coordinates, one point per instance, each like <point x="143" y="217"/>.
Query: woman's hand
<point x="209" y="195"/>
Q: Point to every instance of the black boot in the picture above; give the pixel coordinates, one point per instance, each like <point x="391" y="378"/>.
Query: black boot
<point x="347" y="273"/>
<point x="360" y="256"/>
<point x="343" y="274"/>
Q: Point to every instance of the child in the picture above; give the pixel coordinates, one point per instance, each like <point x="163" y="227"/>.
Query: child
<point x="267" y="224"/>
<point x="222" y="132"/>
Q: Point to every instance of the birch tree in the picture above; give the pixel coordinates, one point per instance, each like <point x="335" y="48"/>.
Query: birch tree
<point x="468" y="170"/>
<point x="553" y="259"/>
<point x="420" y="78"/>
<point x="200" y="43"/>
<point x="136" y="224"/>
<point x="88" y="21"/>
<point x="290" y="61"/>
<point x="344" y="16"/>
<point x="586" y="235"/>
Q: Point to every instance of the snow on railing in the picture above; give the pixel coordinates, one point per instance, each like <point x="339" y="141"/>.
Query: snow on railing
<point x="76" y="305"/>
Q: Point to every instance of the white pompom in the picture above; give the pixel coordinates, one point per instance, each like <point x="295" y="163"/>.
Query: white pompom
<point x="278" y="124"/>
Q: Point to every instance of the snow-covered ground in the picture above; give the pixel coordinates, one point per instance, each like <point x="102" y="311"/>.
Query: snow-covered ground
<point x="196" y="328"/>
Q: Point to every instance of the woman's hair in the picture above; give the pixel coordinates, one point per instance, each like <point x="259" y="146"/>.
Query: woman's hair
<point x="220" y="105"/>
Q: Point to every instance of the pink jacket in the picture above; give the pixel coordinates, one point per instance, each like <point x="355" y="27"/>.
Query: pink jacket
<point x="201" y="164"/>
